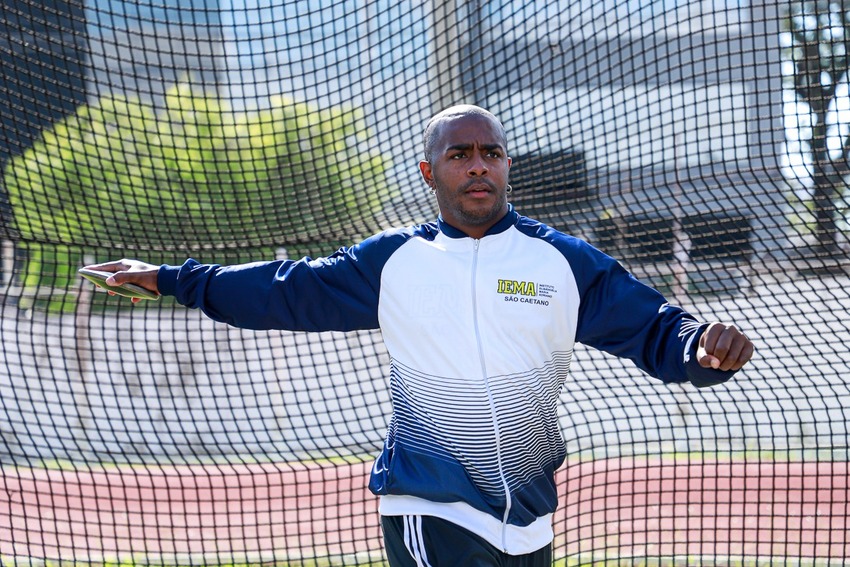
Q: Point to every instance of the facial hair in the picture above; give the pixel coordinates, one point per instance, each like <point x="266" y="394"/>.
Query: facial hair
<point x="472" y="217"/>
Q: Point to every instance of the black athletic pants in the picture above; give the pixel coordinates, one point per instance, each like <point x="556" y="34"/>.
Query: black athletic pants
<point x="425" y="541"/>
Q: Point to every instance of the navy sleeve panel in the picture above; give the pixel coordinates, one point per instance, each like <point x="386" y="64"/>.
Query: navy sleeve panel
<point x="622" y="316"/>
<point x="336" y="293"/>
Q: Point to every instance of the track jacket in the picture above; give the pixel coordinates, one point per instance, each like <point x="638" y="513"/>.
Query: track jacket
<point x="480" y="333"/>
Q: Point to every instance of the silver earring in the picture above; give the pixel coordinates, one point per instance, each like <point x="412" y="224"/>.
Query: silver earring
<point x="508" y="189"/>
<point x="433" y="190"/>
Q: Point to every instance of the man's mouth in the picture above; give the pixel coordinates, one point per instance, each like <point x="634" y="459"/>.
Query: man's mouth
<point x="478" y="189"/>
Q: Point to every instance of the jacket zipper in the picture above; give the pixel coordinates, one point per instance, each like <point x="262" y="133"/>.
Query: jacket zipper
<point x="496" y="432"/>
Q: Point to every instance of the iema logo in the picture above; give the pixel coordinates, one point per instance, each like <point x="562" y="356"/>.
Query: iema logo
<point x="525" y="292"/>
<point x="513" y="287"/>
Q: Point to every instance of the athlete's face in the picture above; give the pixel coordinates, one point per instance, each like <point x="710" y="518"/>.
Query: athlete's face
<point x="469" y="171"/>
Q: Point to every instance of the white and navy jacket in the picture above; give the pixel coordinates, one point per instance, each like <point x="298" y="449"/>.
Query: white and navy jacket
<point x="480" y="333"/>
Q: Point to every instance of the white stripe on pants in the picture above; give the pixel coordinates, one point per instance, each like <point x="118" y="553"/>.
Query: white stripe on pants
<point x="413" y="540"/>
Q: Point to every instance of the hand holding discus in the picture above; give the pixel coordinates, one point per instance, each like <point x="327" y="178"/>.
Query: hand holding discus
<point x="129" y="278"/>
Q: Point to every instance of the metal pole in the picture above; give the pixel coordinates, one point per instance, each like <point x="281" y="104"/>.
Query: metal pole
<point x="681" y="240"/>
<point x="445" y="55"/>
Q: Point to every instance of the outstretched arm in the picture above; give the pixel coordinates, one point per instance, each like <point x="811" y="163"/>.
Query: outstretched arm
<point x="624" y="317"/>
<point x="335" y="293"/>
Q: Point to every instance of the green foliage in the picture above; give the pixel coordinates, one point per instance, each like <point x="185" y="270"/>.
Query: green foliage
<point x="191" y="174"/>
<point x="194" y="173"/>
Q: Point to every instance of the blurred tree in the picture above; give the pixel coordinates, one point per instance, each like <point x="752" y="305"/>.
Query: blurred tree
<point x="819" y="36"/>
<point x="120" y="173"/>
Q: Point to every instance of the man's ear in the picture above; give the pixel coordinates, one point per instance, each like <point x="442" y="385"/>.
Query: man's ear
<point x="427" y="174"/>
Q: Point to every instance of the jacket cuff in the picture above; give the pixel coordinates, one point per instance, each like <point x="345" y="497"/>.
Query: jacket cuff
<point x="166" y="279"/>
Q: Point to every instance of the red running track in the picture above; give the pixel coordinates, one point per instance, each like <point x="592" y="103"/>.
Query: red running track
<point x="263" y="512"/>
<point x="660" y="508"/>
<point x="197" y="514"/>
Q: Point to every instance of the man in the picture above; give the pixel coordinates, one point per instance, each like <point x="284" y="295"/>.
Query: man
<point x="480" y="312"/>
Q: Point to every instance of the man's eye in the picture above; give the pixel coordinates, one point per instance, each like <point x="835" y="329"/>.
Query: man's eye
<point x="457" y="156"/>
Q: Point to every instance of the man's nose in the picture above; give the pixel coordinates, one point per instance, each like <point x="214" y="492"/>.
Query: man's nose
<point x="477" y="166"/>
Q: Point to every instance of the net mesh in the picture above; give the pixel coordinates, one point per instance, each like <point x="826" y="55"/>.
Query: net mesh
<point x="704" y="144"/>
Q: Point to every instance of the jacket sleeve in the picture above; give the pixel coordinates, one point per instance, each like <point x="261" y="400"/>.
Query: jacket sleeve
<point x="336" y="293"/>
<point x="622" y="316"/>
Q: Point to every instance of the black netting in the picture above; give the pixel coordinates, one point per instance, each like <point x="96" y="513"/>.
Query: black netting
<point x="703" y="144"/>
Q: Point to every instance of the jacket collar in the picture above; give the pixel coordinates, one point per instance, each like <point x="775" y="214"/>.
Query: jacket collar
<point x="504" y="224"/>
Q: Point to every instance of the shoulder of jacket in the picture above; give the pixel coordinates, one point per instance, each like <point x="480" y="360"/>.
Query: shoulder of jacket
<point x="533" y="228"/>
<point x="397" y="236"/>
<point x="380" y="246"/>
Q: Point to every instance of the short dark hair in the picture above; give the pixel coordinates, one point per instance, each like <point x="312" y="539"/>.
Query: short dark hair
<point x="432" y="129"/>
